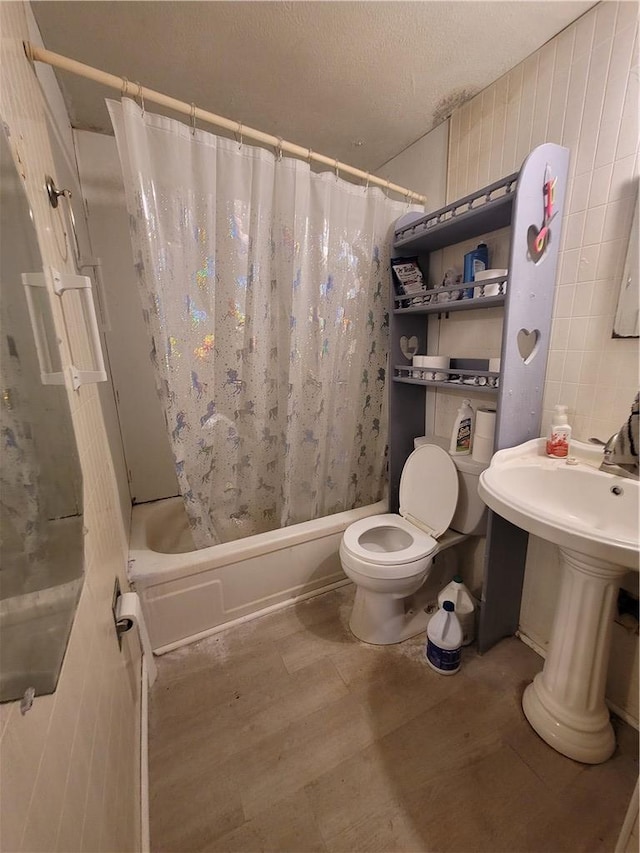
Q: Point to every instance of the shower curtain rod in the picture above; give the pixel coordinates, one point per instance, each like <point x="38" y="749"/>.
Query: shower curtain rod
<point x="126" y="87"/>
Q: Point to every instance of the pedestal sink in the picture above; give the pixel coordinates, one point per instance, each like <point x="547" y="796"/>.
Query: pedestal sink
<point x="593" y="517"/>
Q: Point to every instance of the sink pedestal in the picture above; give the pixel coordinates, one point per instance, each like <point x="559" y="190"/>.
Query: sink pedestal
<point x="565" y="702"/>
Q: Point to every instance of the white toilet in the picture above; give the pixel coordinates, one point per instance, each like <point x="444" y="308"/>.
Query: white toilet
<point x="389" y="557"/>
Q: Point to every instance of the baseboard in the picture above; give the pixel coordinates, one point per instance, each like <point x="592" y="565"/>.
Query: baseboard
<point x="145" y="835"/>
<point x="630" y="823"/>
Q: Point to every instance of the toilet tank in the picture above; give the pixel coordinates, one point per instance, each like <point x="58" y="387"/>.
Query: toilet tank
<point x="471" y="513"/>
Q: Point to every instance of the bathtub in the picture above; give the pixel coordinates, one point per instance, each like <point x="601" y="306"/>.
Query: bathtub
<point x="187" y="594"/>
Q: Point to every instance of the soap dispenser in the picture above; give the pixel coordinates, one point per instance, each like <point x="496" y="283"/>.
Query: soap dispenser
<point x="559" y="434"/>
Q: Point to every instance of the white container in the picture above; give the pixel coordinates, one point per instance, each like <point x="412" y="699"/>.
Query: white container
<point x="490" y="289"/>
<point x="418" y="364"/>
<point x="559" y="434"/>
<point x="482" y="449"/>
<point x="444" y="641"/>
<point x="465" y="607"/>
<point x="431" y="363"/>
<point x="462" y="433"/>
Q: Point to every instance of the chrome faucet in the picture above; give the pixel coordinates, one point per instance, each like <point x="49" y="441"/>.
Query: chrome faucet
<point x="608" y="465"/>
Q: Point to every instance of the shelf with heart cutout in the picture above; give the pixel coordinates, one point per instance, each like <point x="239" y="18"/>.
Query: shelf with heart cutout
<point x="528" y="206"/>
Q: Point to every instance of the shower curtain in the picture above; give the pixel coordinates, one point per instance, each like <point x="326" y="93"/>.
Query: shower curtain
<point x="265" y="293"/>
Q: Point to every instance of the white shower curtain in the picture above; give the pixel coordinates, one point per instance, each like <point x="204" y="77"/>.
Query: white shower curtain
<point x="265" y="291"/>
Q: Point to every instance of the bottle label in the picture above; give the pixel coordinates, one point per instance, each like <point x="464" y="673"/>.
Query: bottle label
<point x="463" y="440"/>
<point x="557" y="445"/>
<point x="447" y="660"/>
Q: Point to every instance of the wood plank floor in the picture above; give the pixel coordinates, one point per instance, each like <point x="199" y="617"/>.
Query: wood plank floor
<point x="287" y="734"/>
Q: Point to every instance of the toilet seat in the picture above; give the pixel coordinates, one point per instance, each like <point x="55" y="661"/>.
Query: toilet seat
<point x="428" y="498"/>
<point x="419" y="543"/>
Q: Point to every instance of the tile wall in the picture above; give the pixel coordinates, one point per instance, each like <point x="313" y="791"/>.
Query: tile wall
<point x="70" y="766"/>
<point x="578" y="90"/>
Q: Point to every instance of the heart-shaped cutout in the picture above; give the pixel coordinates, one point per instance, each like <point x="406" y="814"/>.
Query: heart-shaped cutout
<point x="537" y="240"/>
<point x="528" y="344"/>
<point x="409" y="346"/>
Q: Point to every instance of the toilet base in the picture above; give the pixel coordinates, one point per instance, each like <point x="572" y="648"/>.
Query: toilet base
<point x="382" y="620"/>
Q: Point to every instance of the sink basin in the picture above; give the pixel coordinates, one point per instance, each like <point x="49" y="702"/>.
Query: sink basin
<point x="592" y="516"/>
<point x="574" y="506"/>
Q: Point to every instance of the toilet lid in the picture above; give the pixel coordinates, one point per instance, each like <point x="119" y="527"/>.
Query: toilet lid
<point x="429" y="489"/>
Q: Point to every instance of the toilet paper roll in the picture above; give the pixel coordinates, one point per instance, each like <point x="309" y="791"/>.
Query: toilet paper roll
<point x="128" y="609"/>
<point x="482" y="450"/>
<point x="485" y="423"/>
<point x="433" y="361"/>
<point x="418" y="364"/>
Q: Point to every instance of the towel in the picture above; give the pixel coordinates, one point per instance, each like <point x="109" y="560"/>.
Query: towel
<point x="627" y="442"/>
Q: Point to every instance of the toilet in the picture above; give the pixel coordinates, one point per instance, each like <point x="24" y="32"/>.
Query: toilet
<point x="390" y="557"/>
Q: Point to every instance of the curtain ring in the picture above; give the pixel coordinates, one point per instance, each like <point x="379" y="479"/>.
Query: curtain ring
<point x="366" y="186"/>
<point x="239" y="134"/>
<point x="125" y="87"/>
<point x="309" y="155"/>
<point x="141" y="96"/>
<point x="279" y="151"/>
<point x="337" y="173"/>
<point x="193" y="119"/>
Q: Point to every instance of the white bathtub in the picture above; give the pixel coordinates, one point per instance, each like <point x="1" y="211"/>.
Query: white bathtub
<point x="187" y="594"/>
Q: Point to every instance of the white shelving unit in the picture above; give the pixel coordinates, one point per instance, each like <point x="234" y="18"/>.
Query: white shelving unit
<point x="531" y="202"/>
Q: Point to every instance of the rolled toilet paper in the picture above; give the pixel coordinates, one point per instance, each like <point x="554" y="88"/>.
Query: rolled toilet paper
<point x="418" y="364"/>
<point x="482" y="449"/>
<point x="485" y="423"/>
<point x="435" y="361"/>
<point x="128" y="609"/>
<point x="490" y="289"/>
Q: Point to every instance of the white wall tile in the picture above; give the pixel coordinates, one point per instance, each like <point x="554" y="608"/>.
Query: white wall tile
<point x="584" y="28"/>
<point x="624" y="179"/>
<point x="623" y="50"/>
<point x="527" y="105"/>
<point x="514" y="94"/>
<point x="594" y="96"/>
<point x="610" y="121"/>
<point x="605" y="25"/>
<point x="48" y="759"/>
<point x="582" y="300"/>
<point x="593" y="225"/>
<point x="580" y="93"/>
<point x="501" y="88"/>
<point x="564" y="301"/>
<point x="557" y="107"/>
<point x="628" y="136"/>
<point x="588" y="262"/>
<point x="543" y="87"/>
<point x="573" y="230"/>
<point x="600" y="185"/>
<point x="580" y="192"/>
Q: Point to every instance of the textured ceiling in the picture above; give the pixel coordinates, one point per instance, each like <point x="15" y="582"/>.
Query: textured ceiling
<point x="358" y="81"/>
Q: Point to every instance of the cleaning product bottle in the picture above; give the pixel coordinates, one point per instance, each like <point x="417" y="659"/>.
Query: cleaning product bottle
<point x="444" y="640"/>
<point x="475" y="261"/>
<point x="465" y="605"/>
<point x="560" y="433"/>
<point x="462" y="431"/>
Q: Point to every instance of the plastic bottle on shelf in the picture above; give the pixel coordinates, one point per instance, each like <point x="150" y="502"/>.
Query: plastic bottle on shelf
<point x="465" y="605"/>
<point x="475" y="261"/>
<point x="444" y="640"/>
<point x="559" y="434"/>
<point x="462" y="430"/>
